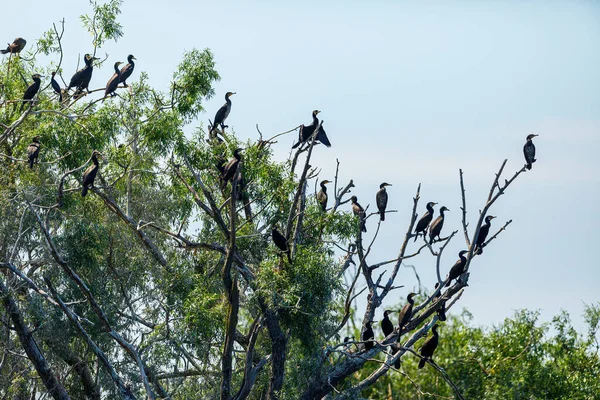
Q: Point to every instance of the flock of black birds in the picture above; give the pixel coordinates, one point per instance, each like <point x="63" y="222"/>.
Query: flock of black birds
<point x="80" y="81"/>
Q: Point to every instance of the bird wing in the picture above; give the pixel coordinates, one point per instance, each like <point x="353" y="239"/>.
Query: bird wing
<point x="382" y="199"/>
<point x="322" y="137"/>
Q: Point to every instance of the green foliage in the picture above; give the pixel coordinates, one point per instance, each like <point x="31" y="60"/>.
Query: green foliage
<point x="103" y="25"/>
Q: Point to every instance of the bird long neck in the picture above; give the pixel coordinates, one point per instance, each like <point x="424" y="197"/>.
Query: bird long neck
<point x="442" y="212"/>
<point x="430" y="209"/>
<point x="95" y="160"/>
<point x="130" y="61"/>
<point x="323" y="188"/>
<point x="463" y="259"/>
<point x="117" y="70"/>
<point x="434" y="331"/>
<point x="315" y="120"/>
<point x="411" y="301"/>
<point x="488" y="222"/>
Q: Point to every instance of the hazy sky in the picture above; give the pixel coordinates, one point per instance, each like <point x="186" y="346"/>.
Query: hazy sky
<point x="409" y="93"/>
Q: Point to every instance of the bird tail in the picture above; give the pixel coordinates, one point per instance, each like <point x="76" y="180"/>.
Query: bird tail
<point x="430" y="239"/>
<point x="4" y="51"/>
<point x="363" y="226"/>
<point x="296" y="145"/>
<point x="442" y="314"/>
<point x="31" y="160"/>
<point x="84" y="191"/>
<point x="529" y="165"/>
<point x="416" y="236"/>
<point x="322" y="137"/>
<point x="422" y="363"/>
<point x="382" y="215"/>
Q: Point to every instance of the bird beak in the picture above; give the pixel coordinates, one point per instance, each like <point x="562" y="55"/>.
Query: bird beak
<point x="435" y="204"/>
<point x="535" y="134"/>
<point x="232" y="93"/>
<point x="492" y="217"/>
<point x="133" y="58"/>
<point x="389" y="184"/>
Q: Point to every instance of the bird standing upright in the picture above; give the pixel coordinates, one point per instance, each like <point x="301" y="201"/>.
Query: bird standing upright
<point x="382" y="199"/>
<point x="322" y="195"/>
<point x="15" y="47"/>
<point x="483" y="233"/>
<point x="429" y="347"/>
<point x="33" y="151"/>
<point x="387" y="327"/>
<point x="90" y="173"/>
<point x="359" y="212"/>
<point x="127" y="70"/>
<point x="56" y="87"/>
<point x="113" y="82"/>
<point x="436" y="226"/>
<point x="81" y="79"/>
<point x="281" y="243"/>
<point x="31" y="90"/>
<point x="368" y="335"/>
<point x="529" y="150"/>
<point x="223" y="113"/>
<point x="423" y="223"/>
<point x="458" y="267"/>
<point x="405" y="313"/>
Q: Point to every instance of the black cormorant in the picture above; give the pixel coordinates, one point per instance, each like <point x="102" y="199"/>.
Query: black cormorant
<point x="322" y="195"/>
<point x="368" y="335"/>
<point x="405" y="313"/>
<point x="359" y="212"/>
<point x="305" y="132"/>
<point x="31" y="90"/>
<point x="382" y="199"/>
<point x="281" y="243"/>
<point x="458" y="267"/>
<point x="529" y="150"/>
<point x="436" y="226"/>
<point x="429" y="347"/>
<point x="113" y="82"/>
<point x="127" y="70"/>
<point x="90" y="173"/>
<point x="231" y="168"/>
<point x="81" y="79"/>
<point x="33" y="151"/>
<point x="425" y="220"/>
<point x="483" y="232"/>
<point x="15" y="47"/>
<point x="56" y="87"/>
<point x="223" y="113"/>
<point x="387" y="327"/>
<point x="441" y="312"/>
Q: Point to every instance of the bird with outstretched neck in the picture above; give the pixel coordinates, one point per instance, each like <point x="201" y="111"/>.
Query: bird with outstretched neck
<point x="56" y="87"/>
<point x="113" y="82"/>
<point x="405" y="313"/>
<point x="127" y="70"/>
<point x="368" y="335"/>
<point x="381" y="198"/>
<point x="483" y="233"/>
<point x="81" y="79"/>
<point x="222" y="114"/>
<point x="436" y="226"/>
<point x="15" y="47"/>
<point x="322" y="195"/>
<point x="281" y="243"/>
<point x="387" y="327"/>
<point x="305" y="132"/>
<point x="529" y="151"/>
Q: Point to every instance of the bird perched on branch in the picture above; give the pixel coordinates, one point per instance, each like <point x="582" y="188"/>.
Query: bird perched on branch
<point x="359" y="212"/>
<point x="381" y="198"/>
<point x="429" y="347"/>
<point x="322" y="195"/>
<point x="281" y="243"/>
<point x="529" y="150"/>
<point x="33" y="151"/>
<point x="305" y="132"/>
<point x="423" y="223"/>
<point x="458" y="267"/>
<point x="441" y="312"/>
<point x="436" y="226"/>
<point x="231" y="168"/>
<point x="113" y="82"/>
<point x="56" y="87"/>
<point x="90" y="173"/>
<point x="31" y="90"/>
<point x="405" y="313"/>
<point x="81" y="79"/>
<point x="127" y="70"/>
<point x="15" y="47"/>
<point x="483" y="233"/>
<point x="223" y="113"/>
<point x="368" y="335"/>
<point x="387" y="327"/>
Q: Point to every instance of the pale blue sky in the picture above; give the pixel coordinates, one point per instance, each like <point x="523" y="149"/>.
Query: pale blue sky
<point x="446" y="85"/>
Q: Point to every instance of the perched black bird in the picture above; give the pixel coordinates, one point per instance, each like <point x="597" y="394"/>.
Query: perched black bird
<point x="405" y="313"/>
<point x="81" y="79"/>
<point x="113" y="82"/>
<point x="436" y="226"/>
<point x="429" y="347"/>
<point x="322" y="136"/>
<point x="423" y="223"/>
<point x="231" y="168"/>
<point x="281" y="243"/>
<point x="223" y="113"/>
<point x="441" y="312"/>
<point x="56" y="87"/>
<point x="15" y="47"/>
<point x="322" y="195"/>
<point x="458" y="267"/>
<point x="387" y="327"/>
<point x="529" y="150"/>
<point x="31" y="90"/>
<point x="127" y="70"/>
<point x="368" y="335"/>
<point x="382" y="199"/>
<point x="33" y="151"/>
<point x="359" y="212"/>
<point x="90" y="173"/>
<point x="305" y="132"/>
<point x="483" y="232"/>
